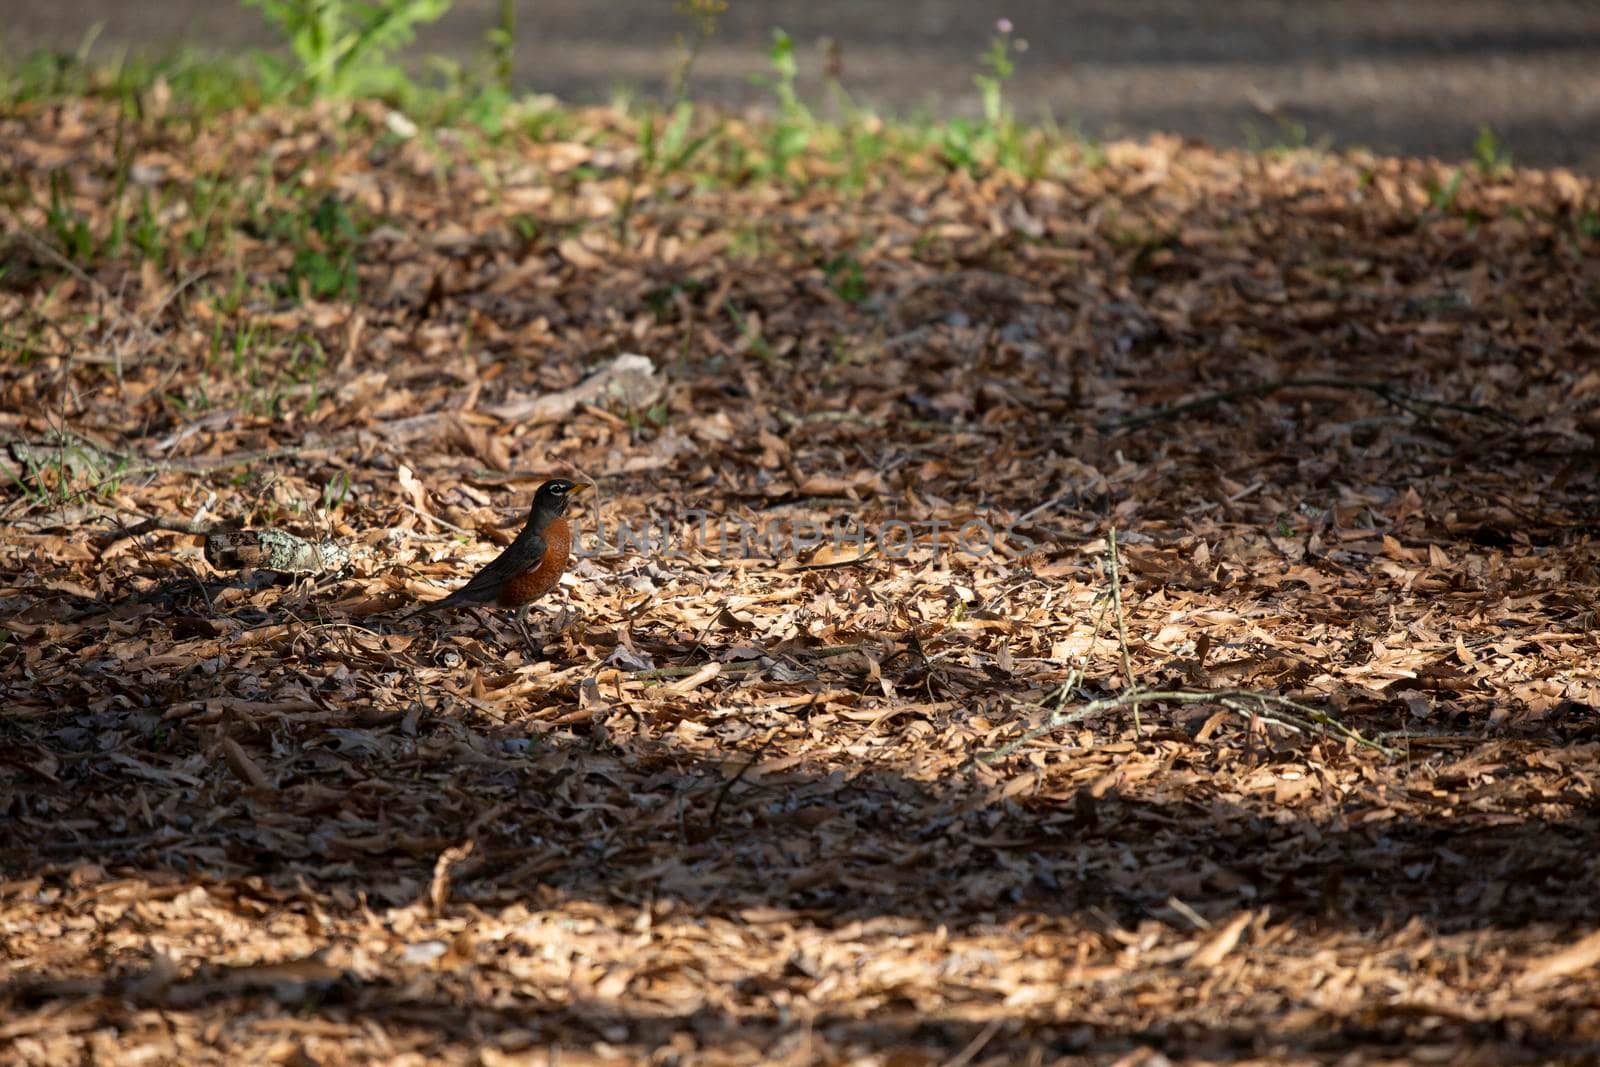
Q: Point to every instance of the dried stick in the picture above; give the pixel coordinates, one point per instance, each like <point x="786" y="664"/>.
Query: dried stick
<point x="858" y="419"/>
<point x="132" y="464"/>
<point x="739" y="672"/>
<point x="1122" y="626"/>
<point x="1387" y="391"/>
<point x="727" y="787"/>
<point x="1288" y="713"/>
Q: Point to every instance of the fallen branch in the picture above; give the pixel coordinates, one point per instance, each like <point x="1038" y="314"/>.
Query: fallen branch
<point x="754" y="666"/>
<point x="147" y="523"/>
<point x="1387" y="391"/>
<point x="792" y="421"/>
<point x="108" y="465"/>
<point x="1247" y="703"/>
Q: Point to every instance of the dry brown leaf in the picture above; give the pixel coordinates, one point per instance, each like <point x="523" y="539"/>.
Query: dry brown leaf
<point x="1222" y="942"/>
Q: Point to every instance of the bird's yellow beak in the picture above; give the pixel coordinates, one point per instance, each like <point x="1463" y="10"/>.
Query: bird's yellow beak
<point x="579" y="487"/>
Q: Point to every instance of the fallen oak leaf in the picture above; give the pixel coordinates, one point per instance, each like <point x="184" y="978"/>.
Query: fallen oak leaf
<point x="439" y="886"/>
<point x="835" y="554"/>
<point x="240" y="763"/>
<point x="413" y="488"/>
<point x="1223" y="942"/>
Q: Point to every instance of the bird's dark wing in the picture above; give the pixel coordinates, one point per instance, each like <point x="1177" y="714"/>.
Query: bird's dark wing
<point x="522" y="554"/>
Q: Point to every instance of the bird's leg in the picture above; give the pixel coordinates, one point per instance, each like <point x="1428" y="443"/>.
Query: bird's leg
<point x="522" y="624"/>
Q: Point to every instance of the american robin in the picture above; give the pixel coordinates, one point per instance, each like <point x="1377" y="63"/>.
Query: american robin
<point x="531" y="565"/>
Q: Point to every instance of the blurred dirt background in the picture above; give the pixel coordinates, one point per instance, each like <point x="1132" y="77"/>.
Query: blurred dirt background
<point x="1415" y="78"/>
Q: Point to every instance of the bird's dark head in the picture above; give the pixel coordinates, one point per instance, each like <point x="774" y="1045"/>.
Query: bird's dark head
<point x="553" y="497"/>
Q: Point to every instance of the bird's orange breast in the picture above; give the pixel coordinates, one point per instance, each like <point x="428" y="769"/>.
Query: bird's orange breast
<point x="538" y="580"/>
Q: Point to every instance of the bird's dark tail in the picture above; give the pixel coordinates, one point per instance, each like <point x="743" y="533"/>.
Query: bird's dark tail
<point x="460" y="598"/>
<point x="432" y="605"/>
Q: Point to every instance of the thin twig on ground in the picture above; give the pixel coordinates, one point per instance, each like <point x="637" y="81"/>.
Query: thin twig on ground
<point x="1122" y="626"/>
<point x="727" y="787"/>
<point x="1289" y="713"/>
<point x="131" y="464"/>
<point x="1386" y="390"/>
<point x="738" y="671"/>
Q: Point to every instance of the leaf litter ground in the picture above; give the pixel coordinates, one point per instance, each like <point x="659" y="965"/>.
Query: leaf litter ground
<point x="1341" y="412"/>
